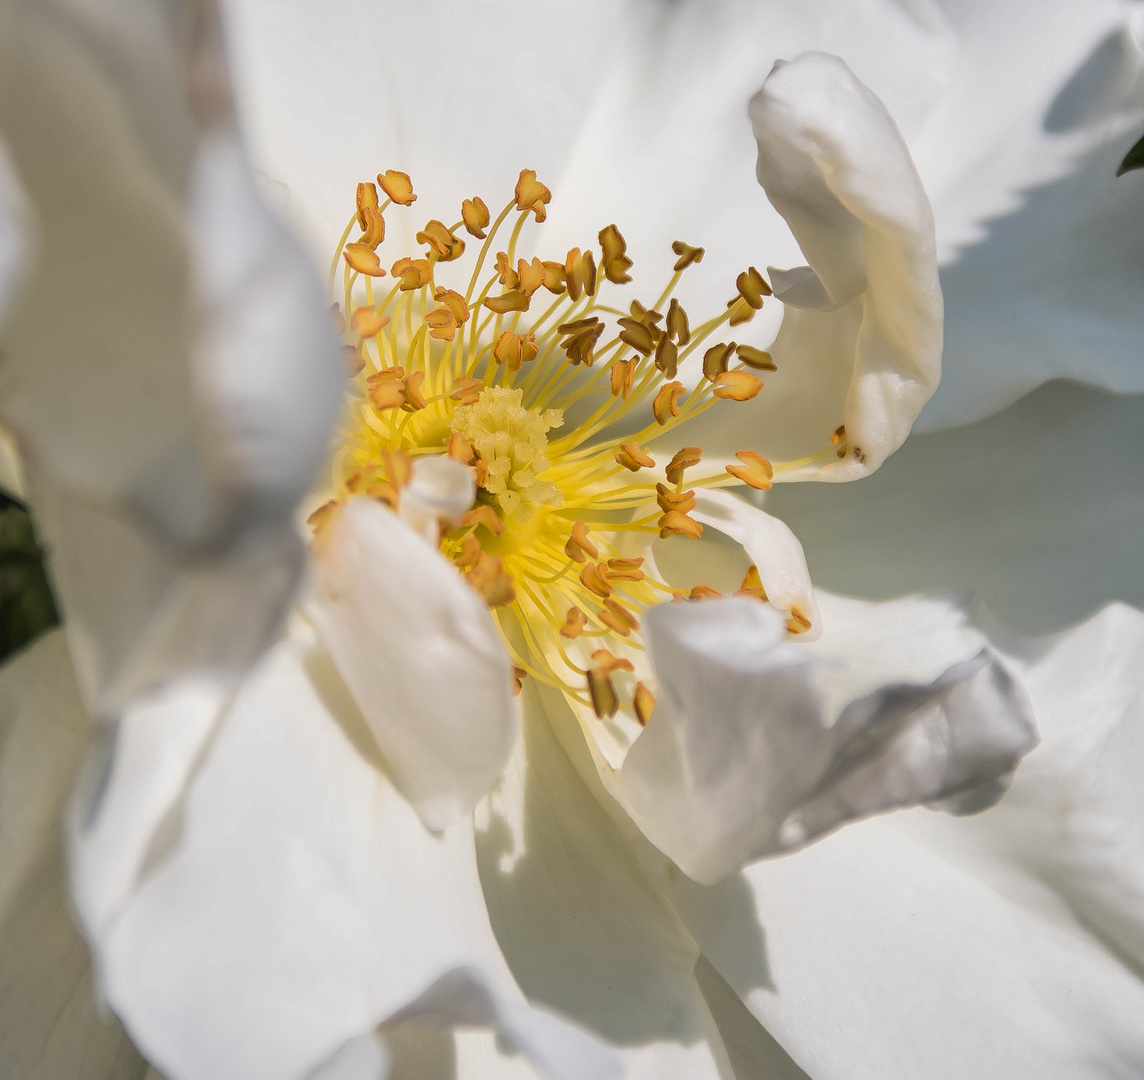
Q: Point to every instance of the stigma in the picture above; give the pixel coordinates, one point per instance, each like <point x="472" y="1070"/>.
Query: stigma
<point x="551" y="391"/>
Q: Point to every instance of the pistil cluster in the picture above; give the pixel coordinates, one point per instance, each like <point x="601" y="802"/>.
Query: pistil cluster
<point x="490" y="374"/>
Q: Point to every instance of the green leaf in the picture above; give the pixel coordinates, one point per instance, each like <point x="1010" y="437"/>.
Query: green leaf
<point x="26" y="605"/>
<point x="1133" y="160"/>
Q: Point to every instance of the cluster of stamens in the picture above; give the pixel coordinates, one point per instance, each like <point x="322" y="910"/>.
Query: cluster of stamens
<point x="482" y="374"/>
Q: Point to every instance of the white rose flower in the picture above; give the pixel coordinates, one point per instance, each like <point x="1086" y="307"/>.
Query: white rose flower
<point x="281" y="873"/>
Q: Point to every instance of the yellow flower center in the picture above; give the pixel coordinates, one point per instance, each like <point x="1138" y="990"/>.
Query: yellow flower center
<point x="552" y="405"/>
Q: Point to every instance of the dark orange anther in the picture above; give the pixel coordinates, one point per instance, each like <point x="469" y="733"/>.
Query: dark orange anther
<point x="755" y="358"/>
<point x="677" y="326"/>
<point x="475" y="215"/>
<point x="666" y="403"/>
<point x="531" y="194"/>
<point x="687" y="255"/>
<point x="716" y="358"/>
<point x="614" y="260"/>
<point x="642" y="704"/>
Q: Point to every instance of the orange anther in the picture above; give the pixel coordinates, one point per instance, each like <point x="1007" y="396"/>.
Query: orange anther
<point x="574" y="623"/>
<point x="642" y="704"/>
<point x="454" y="301"/>
<point x="594" y="578"/>
<point x="638" y="335"/>
<point x="579" y="548"/>
<point x="716" y="358"/>
<point x="531" y="194"/>
<point x="608" y="663"/>
<point x="704" y="592"/>
<point x="667" y="356"/>
<point x="411" y="390"/>
<point x="614" y="260"/>
<point x="366" y="200"/>
<point x="513" y="300"/>
<point x="603" y="693"/>
<point x="518" y="674"/>
<point x="682" y="501"/>
<point x="580" y="273"/>
<point x="798" y="623"/>
<point x="397" y="186"/>
<point x="475" y="215"/>
<point x="441" y="241"/>
<point x="752" y="287"/>
<point x="687" y="255"/>
<point x="677" y="326"/>
<point x="530" y="276"/>
<point x="363" y="259"/>
<point x="683" y="459"/>
<point x="374" y="231"/>
<point x="625" y="569"/>
<point x="666" y="403"/>
<point x="442" y="324"/>
<point x="490" y="580"/>
<point x="514" y="350"/>
<point x="368" y="322"/>
<point x="755" y="471"/>
<point x="355" y="362"/>
<point x="677" y="523"/>
<point x="622" y="373"/>
<point x="618" y="618"/>
<point x="737" y="385"/>
<point x="555" y="277"/>
<point x="320" y="518"/>
<point x="457" y="449"/>
<point x="466" y="390"/>
<point x="506" y="275"/>
<point x="633" y="458"/>
<point x="484" y="515"/>
<point x="414" y="273"/>
<point x="755" y="358"/>
<point x="752" y="585"/>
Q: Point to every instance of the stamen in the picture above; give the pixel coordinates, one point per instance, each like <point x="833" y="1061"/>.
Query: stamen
<point x="475" y="383"/>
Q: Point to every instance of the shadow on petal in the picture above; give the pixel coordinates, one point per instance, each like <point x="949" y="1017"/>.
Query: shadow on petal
<point x="581" y="925"/>
<point x="1037" y="509"/>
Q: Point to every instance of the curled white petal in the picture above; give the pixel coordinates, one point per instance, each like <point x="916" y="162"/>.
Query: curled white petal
<point x="868" y="310"/>
<point x="438" y="488"/>
<point x="772" y="547"/>
<point x="421" y="655"/>
<point x="1045" y="893"/>
<point x="172" y="372"/>
<point x="743" y="756"/>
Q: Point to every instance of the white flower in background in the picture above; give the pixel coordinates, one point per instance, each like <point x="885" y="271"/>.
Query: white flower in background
<point x="291" y="829"/>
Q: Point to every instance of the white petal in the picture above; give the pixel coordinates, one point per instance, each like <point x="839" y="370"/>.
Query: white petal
<point x="171" y="362"/>
<point x="265" y="366"/>
<point x="578" y="923"/>
<point x="771" y="546"/>
<point x="421" y="655"/>
<point x="50" y="1024"/>
<point x="320" y="120"/>
<point x="296" y="902"/>
<point x="139" y="612"/>
<point x="745" y="755"/>
<point x="994" y="946"/>
<point x="1002" y="507"/>
<point x="835" y="166"/>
